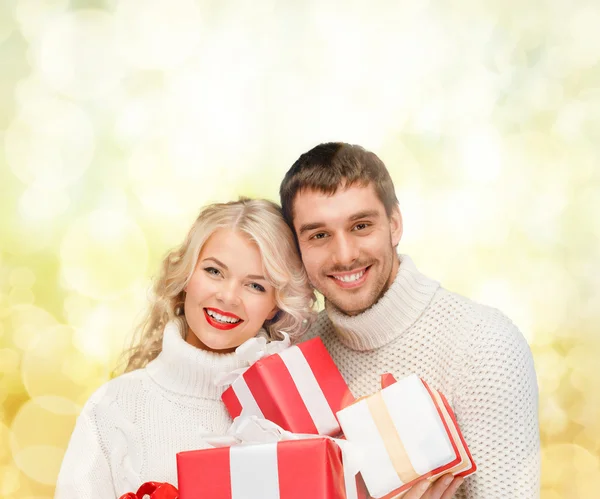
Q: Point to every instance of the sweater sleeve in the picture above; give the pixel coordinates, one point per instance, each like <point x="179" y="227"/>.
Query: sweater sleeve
<point x="497" y="410"/>
<point x="85" y="471"/>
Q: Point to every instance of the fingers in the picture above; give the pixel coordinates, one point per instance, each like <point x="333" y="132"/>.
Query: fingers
<point x="443" y="488"/>
<point x="417" y="491"/>
<point x="452" y="488"/>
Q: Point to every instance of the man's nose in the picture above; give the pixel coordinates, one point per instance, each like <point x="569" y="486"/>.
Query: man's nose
<point x="345" y="250"/>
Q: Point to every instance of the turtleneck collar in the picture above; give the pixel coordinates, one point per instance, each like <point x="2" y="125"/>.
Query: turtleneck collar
<point x="396" y="311"/>
<point x="187" y="370"/>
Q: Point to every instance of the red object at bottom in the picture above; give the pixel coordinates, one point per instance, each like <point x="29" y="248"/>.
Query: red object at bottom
<point x="155" y="490"/>
<point x="302" y="469"/>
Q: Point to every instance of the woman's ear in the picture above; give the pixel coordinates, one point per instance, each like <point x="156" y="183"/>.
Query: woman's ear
<point x="272" y="313"/>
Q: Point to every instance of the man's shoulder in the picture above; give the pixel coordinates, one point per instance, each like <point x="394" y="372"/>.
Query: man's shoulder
<point x="485" y="321"/>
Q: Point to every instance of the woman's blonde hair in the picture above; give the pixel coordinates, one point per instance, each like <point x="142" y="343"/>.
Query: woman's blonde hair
<point x="263" y="223"/>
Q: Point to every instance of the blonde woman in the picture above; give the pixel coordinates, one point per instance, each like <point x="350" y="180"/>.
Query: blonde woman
<point x="236" y="275"/>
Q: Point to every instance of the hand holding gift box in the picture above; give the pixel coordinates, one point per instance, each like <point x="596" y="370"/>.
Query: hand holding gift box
<point x="298" y="387"/>
<point x="408" y="433"/>
<point x="258" y="459"/>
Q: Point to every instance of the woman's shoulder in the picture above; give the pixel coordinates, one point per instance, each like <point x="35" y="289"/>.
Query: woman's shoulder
<point x="117" y="392"/>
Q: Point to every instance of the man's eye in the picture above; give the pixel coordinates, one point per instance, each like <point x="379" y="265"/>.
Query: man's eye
<point x="361" y="226"/>
<point x="319" y="235"/>
<point x="212" y="271"/>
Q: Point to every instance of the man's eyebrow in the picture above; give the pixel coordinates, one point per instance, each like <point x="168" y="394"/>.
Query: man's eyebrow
<point x="218" y="262"/>
<point x="355" y="216"/>
<point x="307" y="227"/>
<point x="364" y="214"/>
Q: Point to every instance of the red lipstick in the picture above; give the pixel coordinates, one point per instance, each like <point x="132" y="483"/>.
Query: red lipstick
<point x="221" y="325"/>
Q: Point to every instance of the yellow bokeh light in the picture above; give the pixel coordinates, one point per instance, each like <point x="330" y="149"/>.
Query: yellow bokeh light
<point x="51" y="145"/>
<point x="7" y="22"/>
<point x="53" y="367"/>
<point x="9" y="480"/>
<point x="22" y="277"/>
<point x="32" y="15"/>
<point x="25" y="322"/>
<point x="158" y="34"/>
<point x="103" y="254"/>
<point x="40" y="203"/>
<point x="77" y="55"/>
<point x="39" y="436"/>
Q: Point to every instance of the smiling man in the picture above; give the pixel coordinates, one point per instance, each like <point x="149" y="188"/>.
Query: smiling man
<point x="383" y="315"/>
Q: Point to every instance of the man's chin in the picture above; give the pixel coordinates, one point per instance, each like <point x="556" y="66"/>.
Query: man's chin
<point x="350" y="307"/>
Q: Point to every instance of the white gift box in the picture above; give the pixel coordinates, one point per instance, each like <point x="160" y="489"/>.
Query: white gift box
<point x="403" y="435"/>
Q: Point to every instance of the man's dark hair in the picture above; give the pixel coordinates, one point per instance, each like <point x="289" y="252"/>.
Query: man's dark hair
<point x="327" y="167"/>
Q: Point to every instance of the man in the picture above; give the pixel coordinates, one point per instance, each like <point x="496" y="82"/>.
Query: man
<point x="382" y="315"/>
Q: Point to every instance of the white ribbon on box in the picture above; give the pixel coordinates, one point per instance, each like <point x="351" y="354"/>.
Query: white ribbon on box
<point x="255" y="349"/>
<point x="253" y="468"/>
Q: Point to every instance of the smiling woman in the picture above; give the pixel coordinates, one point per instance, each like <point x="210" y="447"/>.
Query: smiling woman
<point x="237" y="275"/>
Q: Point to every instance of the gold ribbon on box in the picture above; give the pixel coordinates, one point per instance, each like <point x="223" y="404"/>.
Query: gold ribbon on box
<point x="392" y="441"/>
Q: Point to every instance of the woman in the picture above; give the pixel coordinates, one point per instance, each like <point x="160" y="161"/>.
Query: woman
<point x="236" y="275"/>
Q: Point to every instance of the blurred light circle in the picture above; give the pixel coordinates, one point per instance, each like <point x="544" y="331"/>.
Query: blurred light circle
<point x="21" y="296"/>
<point x="157" y="34"/>
<point x="9" y="360"/>
<point x="101" y="334"/>
<point x="7" y="22"/>
<point x="22" y="277"/>
<point x="27" y="322"/>
<point x="103" y="254"/>
<point x="77" y="55"/>
<point x="39" y="437"/>
<point x="53" y="367"/>
<point x="567" y="464"/>
<point x="33" y="14"/>
<point x="10" y="480"/>
<point x="4" y="442"/>
<point x="52" y="146"/>
<point x="40" y="203"/>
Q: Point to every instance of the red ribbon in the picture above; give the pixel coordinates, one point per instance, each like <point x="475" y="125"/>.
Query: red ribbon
<point x="155" y="490"/>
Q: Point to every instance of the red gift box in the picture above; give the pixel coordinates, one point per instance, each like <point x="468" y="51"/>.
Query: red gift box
<point x="299" y="388"/>
<point x="290" y="469"/>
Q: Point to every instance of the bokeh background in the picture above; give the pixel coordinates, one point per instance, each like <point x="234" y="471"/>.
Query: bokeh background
<point x="119" y="119"/>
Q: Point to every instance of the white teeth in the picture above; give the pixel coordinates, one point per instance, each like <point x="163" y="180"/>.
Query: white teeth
<point x="351" y="277"/>
<point x="222" y="318"/>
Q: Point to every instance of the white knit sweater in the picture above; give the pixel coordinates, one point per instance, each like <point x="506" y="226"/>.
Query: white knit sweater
<point x="132" y="427"/>
<point x="472" y="353"/>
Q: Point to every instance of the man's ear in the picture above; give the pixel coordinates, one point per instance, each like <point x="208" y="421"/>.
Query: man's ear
<point x="396" y="226"/>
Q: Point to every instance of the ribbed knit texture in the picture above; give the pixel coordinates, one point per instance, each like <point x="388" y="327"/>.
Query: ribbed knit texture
<point x="132" y="427"/>
<point x="472" y="353"/>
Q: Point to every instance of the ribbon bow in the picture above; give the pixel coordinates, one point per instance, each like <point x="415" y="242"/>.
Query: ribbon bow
<point x="250" y="351"/>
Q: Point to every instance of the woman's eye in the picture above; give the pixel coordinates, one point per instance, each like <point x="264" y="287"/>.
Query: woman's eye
<point x="212" y="271"/>
<point x="257" y="287"/>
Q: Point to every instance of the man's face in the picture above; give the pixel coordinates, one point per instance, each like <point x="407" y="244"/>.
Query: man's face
<point x="348" y="244"/>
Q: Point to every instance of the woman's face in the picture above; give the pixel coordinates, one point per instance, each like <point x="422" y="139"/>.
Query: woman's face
<point x="228" y="297"/>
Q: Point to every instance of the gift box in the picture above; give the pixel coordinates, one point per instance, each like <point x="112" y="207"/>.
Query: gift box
<point x="299" y="388"/>
<point x="291" y="469"/>
<point x="408" y="433"/>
